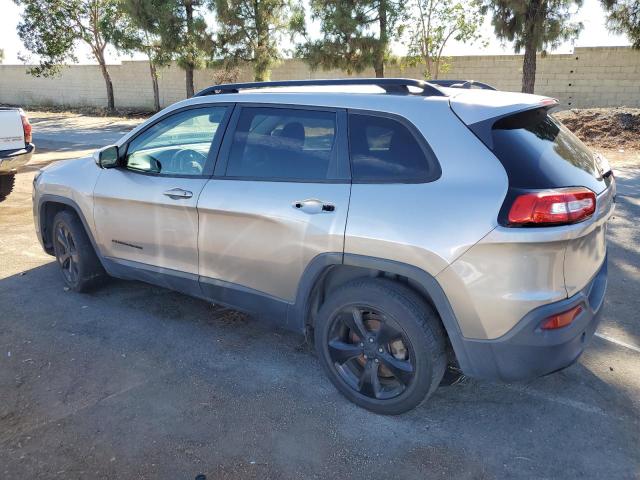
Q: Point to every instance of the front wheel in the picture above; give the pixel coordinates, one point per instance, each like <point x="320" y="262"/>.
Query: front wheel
<point x="381" y="344"/>
<point x="80" y="267"/>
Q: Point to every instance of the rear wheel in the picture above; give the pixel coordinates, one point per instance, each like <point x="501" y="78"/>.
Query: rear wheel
<point x="6" y="185"/>
<point x="80" y="267"/>
<point x="381" y="344"/>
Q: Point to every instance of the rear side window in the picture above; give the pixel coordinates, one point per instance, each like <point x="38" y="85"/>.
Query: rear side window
<point x="384" y="150"/>
<point x="538" y="152"/>
<point x="281" y="143"/>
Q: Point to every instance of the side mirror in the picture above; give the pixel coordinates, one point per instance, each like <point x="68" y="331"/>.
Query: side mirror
<point x="107" y="157"/>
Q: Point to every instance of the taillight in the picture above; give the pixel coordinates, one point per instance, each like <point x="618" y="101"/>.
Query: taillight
<point x="561" y="319"/>
<point x="552" y="207"/>
<point x="26" y="128"/>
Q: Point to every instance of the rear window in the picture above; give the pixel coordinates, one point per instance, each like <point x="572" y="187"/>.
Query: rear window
<point x="538" y="152"/>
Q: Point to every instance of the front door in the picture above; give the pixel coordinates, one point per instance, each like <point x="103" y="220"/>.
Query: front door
<point x="145" y="211"/>
<point x="278" y="199"/>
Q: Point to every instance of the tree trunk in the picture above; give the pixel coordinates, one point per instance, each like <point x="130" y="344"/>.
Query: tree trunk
<point x="188" y="6"/>
<point x="534" y="12"/>
<point x="261" y="56"/>
<point x="111" y="104"/>
<point x="383" y="43"/>
<point x="260" y="71"/>
<point x="529" y="68"/>
<point x="188" y="75"/>
<point x="154" y="83"/>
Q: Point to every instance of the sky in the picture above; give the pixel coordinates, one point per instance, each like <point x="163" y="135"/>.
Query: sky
<point x="591" y="15"/>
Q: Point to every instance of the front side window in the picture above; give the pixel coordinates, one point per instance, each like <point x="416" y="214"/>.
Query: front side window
<point x="384" y="150"/>
<point x="176" y="145"/>
<point x="281" y="143"/>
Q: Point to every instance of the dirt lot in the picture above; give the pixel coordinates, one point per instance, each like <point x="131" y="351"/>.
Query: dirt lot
<point x="134" y="381"/>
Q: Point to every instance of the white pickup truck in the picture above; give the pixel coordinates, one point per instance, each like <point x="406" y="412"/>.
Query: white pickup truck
<point x="16" y="148"/>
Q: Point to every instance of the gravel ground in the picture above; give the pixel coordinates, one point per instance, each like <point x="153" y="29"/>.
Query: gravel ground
<point x="134" y="381"/>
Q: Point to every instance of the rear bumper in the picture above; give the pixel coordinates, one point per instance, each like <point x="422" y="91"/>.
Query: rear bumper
<point x="527" y="351"/>
<point x="11" y="160"/>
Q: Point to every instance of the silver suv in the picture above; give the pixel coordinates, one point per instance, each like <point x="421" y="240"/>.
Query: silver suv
<point x="403" y="226"/>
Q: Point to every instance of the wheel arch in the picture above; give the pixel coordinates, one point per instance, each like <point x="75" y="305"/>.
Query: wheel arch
<point x="328" y="271"/>
<point x="48" y="208"/>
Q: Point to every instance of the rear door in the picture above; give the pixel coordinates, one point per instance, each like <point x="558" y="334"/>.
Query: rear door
<point x="278" y="199"/>
<point x="145" y="211"/>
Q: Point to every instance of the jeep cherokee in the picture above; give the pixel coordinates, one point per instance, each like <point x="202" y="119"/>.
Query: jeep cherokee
<point x="401" y="225"/>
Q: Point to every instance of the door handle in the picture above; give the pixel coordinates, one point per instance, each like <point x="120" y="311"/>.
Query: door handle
<point x="178" y="193"/>
<point x="314" y="206"/>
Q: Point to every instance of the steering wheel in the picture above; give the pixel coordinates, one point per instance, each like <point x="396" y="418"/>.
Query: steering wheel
<point x="187" y="161"/>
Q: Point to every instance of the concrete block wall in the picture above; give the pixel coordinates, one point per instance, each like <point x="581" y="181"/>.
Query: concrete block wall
<point x="590" y="77"/>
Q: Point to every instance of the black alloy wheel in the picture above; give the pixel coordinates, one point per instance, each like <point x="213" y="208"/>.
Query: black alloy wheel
<point x="67" y="253"/>
<point x="370" y="352"/>
<point x="80" y="266"/>
<point x="381" y="344"/>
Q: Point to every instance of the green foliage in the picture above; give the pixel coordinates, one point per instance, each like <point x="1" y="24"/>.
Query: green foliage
<point x="128" y="36"/>
<point x="434" y="23"/>
<point x="251" y="30"/>
<point x="623" y="16"/>
<point x="544" y="24"/>
<point x="535" y="26"/>
<point x="1" y="55"/>
<point x="355" y="34"/>
<point x="179" y="29"/>
<point x="50" y="29"/>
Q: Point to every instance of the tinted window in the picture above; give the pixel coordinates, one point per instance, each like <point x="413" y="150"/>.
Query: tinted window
<point x="383" y="149"/>
<point x="537" y="151"/>
<point x="283" y="143"/>
<point x="176" y="145"/>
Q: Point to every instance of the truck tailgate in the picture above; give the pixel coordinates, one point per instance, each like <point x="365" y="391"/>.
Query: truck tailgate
<point x="11" y="132"/>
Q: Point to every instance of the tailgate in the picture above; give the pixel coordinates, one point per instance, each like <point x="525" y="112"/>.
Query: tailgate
<point x="11" y="132"/>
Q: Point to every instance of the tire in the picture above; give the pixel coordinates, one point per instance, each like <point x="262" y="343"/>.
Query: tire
<point x="402" y="356"/>
<point x="7" y="183"/>
<point x="79" y="265"/>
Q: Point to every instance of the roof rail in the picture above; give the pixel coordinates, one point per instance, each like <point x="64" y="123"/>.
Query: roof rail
<point x="390" y="85"/>
<point x="462" y="84"/>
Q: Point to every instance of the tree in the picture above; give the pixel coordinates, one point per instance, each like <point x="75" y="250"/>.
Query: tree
<point x="51" y="28"/>
<point x="356" y="34"/>
<point x="252" y="30"/>
<point x="623" y="16"/>
<point x="129" y="36"/>
<point x="1" y="55"/>
<point x="535" y="25"/>
<point x="435" y="23"/>
<point x="181" y="29"/>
